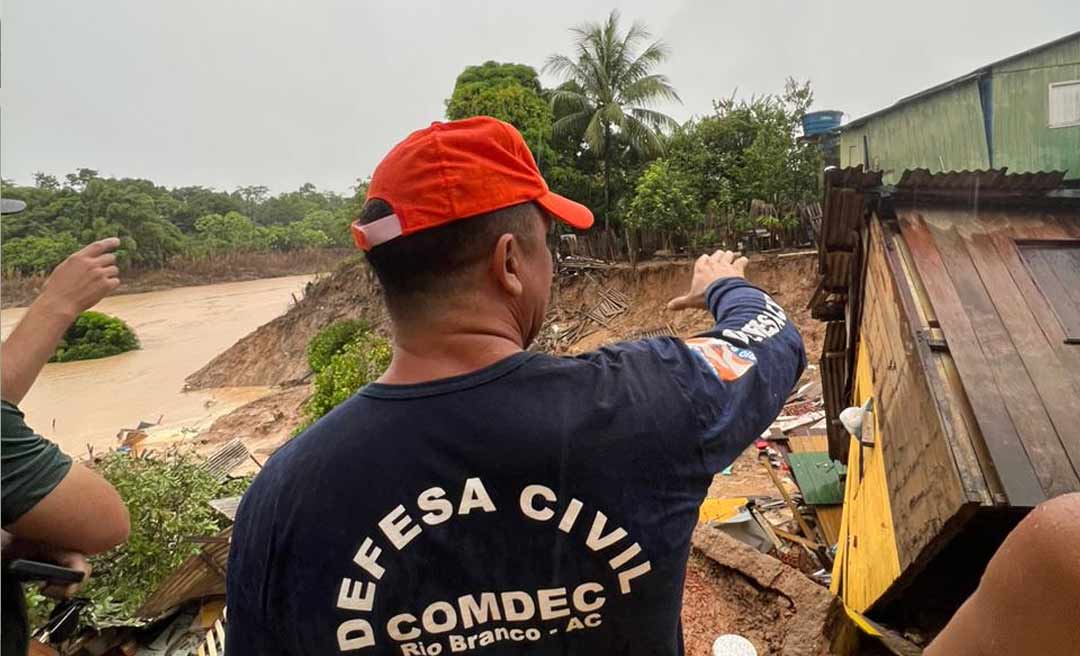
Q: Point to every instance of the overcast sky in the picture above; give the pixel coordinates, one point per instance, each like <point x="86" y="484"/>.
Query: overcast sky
<point x="278" y="92"/>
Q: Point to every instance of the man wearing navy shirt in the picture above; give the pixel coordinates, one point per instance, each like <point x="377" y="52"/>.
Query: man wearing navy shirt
<point x="480" y="498"/>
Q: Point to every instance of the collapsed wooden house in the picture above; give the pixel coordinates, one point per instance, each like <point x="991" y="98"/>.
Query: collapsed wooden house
<point x="952" y="303"/>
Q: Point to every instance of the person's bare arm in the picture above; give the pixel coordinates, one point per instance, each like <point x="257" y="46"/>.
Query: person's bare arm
<point x="1027" y="600"/>
<point x="83" y="513"/>
<point x="77" y="284"/>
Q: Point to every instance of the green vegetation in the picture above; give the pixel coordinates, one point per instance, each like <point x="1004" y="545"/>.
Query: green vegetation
<point x="603" y="143"/>
<point x="508" y="92"/>
<point x="167" y="499"/>
<point x="95" y="335"/>
<point x="748" y="150"/>
<point x="329" y="341"/>
<point x="610" y="86"/>
<point x="155" y="223"/>
<point x="345" y="356"/>
<point x="664" y="200"/>
<point x="596" y="137"/>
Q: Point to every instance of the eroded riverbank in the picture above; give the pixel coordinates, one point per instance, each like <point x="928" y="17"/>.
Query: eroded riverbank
<point x="86" y="403"/>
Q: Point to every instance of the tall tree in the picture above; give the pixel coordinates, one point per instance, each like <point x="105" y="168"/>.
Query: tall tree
<point x="508" y="92"/>
<point x="610" y="89"/>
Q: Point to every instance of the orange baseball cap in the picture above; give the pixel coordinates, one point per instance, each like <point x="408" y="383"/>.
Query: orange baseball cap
<point x="456" y="170"/>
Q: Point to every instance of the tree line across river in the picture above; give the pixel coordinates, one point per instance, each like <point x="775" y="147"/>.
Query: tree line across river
<point x="155" y="223"/>
<point x="596" y="137"/>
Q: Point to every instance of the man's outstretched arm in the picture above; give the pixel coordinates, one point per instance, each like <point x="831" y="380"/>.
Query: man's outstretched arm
<point x="77" y="284"/>
<point x="739" y="374"/>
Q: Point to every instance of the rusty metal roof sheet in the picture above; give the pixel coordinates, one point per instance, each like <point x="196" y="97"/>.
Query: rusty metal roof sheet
<point x="834" y="383"/>
<point x="852" y="177"/>
<point x="843" y="213"/>
<point x="202" y="575"/>
<point x="989" y="180"/>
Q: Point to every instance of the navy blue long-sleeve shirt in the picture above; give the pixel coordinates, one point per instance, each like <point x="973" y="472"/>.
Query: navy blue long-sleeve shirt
<point x="541" y="505"/>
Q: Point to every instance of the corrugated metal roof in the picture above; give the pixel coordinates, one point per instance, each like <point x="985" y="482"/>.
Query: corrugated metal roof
<point x="836" y="272"/>
<point x="834" y="384"/>
<point x="843" y="213"/>
<point x="988" y="180"/>
<point x="202" y="575"/>
<point x="226" y="459"/>
<point x="852" y="177"/>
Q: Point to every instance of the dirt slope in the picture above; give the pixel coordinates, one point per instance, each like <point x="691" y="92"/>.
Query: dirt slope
<point x="274" y="353"/>
<point x="789" y="279"/>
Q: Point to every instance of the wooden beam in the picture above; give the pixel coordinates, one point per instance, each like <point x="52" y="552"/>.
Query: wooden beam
<point x="787" y="500"/>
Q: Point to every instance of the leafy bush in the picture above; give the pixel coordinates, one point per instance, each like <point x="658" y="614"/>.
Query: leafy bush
<point x="167" y="498"/>
<point x="358" y="363"/>
<point x="95" y="335"/>
<point x="294" y="236"/>
<point x="37" y="254"/>
<point x="664" y="199"/>
<point x="216" y="233"/>
<point x="331" y="340"/>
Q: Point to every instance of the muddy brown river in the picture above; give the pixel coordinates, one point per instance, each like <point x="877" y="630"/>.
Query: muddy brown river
<point x="87" y="403"/>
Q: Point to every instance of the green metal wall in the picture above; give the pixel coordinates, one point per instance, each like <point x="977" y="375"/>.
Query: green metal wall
<point x="1022" y="139"/>
<point x="940" y="132"/>
<point x="945" y="131"/>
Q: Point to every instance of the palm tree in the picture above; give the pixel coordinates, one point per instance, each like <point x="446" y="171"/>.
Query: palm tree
<point x="607" y="92"/>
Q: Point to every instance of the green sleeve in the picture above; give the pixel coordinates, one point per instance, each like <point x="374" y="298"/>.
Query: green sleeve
<point x="30" y="465"/>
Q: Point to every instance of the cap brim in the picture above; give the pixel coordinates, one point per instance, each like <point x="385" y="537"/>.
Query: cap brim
<point x="11" y="206"/>
<point x="573" y="214"/>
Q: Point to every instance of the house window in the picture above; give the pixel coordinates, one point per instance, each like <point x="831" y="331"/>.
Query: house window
<point x="1064" y="106"/>
<point x="1055" y="267"/>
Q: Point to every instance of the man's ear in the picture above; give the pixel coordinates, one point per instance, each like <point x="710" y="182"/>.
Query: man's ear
<point x="506" y="265"/>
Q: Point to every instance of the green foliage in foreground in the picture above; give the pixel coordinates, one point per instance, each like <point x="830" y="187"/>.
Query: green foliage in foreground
<point x="167" y="498"/>
<point x="356" y="363"/>
<point x="95" y="335"/>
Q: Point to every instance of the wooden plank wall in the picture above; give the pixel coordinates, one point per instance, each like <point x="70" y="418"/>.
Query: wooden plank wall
<point x="867" y="563"/>
<point x="925" y="488"/>
<point x="1022" y="380"/>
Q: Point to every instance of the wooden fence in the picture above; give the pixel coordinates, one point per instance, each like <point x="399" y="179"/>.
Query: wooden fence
<point x="619" y="244"/>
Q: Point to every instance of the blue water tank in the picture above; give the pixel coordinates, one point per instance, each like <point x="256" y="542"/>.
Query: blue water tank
<point x="818" y="122"/>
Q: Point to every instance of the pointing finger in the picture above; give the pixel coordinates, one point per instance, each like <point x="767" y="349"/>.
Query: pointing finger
<point x="102" y="246"/>
<point x="679" y="303"/>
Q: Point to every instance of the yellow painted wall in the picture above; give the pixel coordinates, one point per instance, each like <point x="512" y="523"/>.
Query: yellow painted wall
<point x="867" y="561"/>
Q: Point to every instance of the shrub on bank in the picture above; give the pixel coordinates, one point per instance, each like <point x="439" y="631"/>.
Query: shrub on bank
<point x="95" y="335"/>
<point x="330" y="340"/>
<point x="357" y="362"/>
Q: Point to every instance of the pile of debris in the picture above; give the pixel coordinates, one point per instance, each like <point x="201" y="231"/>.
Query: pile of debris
<point x="565" y="328"/>
<point x="801" y="526"/>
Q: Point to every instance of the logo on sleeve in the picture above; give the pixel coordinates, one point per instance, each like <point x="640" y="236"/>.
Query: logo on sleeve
<point x="766" y="324"/>
<point x="726" y="361"/>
